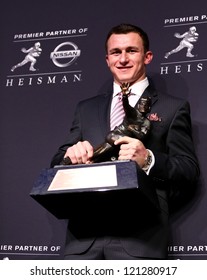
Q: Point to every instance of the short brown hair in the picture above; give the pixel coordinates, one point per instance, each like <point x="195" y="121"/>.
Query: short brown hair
<point x="125" y="28"/>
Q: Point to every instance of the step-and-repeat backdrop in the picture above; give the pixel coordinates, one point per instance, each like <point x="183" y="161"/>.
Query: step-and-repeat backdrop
<point x="52" y="55"/>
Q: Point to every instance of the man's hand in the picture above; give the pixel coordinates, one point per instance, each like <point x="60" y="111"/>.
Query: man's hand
<point x="132" y="149"/>
<point x="80" y="152"/>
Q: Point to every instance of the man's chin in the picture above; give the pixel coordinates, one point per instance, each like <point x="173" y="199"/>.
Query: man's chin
<point x="125" y="80"/>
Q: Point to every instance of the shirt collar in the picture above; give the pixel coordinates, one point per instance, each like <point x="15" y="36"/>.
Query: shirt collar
<point x="137" y="88"/>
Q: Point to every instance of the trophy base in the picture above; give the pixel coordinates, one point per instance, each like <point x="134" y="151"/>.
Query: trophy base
<point x="109" y="187"/>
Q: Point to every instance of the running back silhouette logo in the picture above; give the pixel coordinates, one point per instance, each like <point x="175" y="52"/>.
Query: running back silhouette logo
<point x="188" y="39"/>
<point x="31" y="57"/>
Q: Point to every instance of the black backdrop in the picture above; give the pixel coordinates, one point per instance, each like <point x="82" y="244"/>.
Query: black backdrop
<point x="37" y="106"/>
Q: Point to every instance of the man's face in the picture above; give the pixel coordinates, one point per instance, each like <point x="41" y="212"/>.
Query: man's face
<point x="126" y="57"/>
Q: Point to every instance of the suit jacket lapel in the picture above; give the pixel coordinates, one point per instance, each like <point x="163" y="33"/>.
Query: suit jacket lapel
<point x="150" y="92"/>
<point x="104" y="106"/>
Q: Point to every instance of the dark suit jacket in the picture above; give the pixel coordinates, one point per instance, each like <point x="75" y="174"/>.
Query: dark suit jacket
<point x="173" y="175"/>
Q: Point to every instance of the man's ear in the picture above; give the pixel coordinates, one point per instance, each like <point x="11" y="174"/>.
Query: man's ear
<point x="148" y="57"/>
<point x="107" y="61"/>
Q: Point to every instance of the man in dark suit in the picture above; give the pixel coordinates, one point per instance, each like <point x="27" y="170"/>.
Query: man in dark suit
<point x="166" y="156"/>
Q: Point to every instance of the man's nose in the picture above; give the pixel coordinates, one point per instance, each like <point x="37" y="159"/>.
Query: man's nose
<point x="124" y="57"/>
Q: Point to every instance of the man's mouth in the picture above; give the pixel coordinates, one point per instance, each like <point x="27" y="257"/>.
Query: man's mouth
<point x="124" y="68"/>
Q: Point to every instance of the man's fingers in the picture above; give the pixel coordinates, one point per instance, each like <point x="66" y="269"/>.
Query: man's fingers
<point x="125" y="140"/>
<point x="80" y="152"/>
<point x="88" y="148"/>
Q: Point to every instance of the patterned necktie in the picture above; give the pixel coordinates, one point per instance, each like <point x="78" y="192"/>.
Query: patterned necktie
<point x="117" y="114"/>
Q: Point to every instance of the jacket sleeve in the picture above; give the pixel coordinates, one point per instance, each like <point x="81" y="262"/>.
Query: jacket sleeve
<point x="177" y="168"/>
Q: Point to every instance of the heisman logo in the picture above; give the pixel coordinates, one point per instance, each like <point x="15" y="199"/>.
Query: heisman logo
<point x="32" y="54"/>
<point x="69" y="54"/>
<point x="188" y="38"/>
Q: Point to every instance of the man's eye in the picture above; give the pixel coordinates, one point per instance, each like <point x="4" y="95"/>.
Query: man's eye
<point x="132" y="51"/>
<point x="115" y="52"/>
